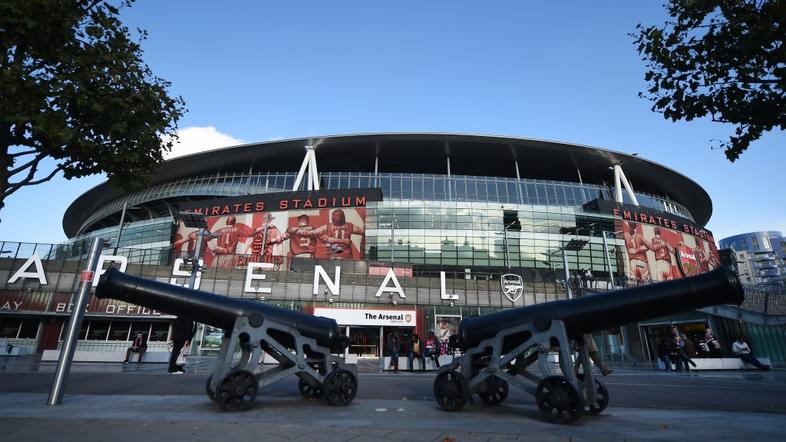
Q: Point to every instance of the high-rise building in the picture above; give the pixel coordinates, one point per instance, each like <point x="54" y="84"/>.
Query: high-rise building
<point x="761" y="257"/>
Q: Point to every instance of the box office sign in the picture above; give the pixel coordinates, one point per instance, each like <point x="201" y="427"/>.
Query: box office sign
<point x="361" y="316"/>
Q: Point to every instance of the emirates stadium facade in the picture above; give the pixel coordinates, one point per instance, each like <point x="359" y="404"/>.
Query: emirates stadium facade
<point x="428" y="228"/>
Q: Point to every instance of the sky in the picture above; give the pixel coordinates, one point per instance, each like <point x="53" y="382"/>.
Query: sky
<point x="562" y="70"/>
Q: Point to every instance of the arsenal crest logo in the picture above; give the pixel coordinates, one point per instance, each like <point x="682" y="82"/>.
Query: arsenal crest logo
<point x="512" y="286"/>
<point x="408" y="318"/>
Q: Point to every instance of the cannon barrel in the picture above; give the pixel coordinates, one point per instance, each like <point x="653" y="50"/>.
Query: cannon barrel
<point x="598" y="312"/>
<point x="209" y="308"/>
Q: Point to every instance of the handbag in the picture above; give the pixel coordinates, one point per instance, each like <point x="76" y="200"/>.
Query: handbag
<point x="182" y="357"/>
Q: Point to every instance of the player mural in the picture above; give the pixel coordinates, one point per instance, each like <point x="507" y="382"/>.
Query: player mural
<point x="278" y="227"/>
<point x="233" y="241"/>
<point x="657" y="253"/>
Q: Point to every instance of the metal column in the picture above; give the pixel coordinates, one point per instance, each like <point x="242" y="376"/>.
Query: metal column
<point x="608" y="259"/>
<point x="120" y="229"/>
<point x="567" y="274"/>
<point x="75" y="323"/>
<point x="195" y="267"/>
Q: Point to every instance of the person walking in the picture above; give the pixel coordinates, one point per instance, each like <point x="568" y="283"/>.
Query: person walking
<point x="432" y="348"/>
<point x="394" y="348"/>
<point x="182" y="333"/>
<point x="743" y="351"/>
<point x="416" y="350"/>
<point x="683" y="360"/>
<point x="594" y="355"/>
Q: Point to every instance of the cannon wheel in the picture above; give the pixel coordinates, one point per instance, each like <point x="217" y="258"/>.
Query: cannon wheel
<point x="210" y="393"/>
<point x="237" y="391"/>
<point x="601" y="395"/>
<point x="558" y="400"/>
<point x="497" y="391"/>
<point x="451" y="390"/>
<point x="340" y="387"/>
<point x="307" y="391"/>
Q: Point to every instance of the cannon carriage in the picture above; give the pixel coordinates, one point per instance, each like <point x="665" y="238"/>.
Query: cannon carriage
<point x="500" y="348"/>
<point x="305" y="346"/>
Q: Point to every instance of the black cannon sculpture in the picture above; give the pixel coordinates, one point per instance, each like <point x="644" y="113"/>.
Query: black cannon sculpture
<point x="499" y="347"/>
<point x="304" y="345"/>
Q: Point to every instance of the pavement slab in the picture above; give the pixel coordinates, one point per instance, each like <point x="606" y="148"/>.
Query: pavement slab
<point x="84" y="418"/>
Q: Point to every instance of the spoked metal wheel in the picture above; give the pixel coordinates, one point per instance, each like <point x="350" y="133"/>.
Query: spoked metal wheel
<point x="558" y="400"/>
<point x="307" y="391"/>
<point x="496" y="391"/>
<point x="451" y="390"/>
<point x="210" y="393"/>
<point x="601" y="398"/>
<point x="237" y="391"/>
<point x="340" y="387"/>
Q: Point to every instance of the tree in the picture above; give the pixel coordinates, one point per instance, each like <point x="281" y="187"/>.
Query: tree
<point x="723" y="59"/>
<point x="76" y="97"/>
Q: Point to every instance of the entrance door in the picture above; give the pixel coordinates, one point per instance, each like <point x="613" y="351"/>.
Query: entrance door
<point x="50" y="335"/>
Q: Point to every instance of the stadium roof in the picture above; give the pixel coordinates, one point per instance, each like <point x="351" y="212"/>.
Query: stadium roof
<point x="479" y="155"/>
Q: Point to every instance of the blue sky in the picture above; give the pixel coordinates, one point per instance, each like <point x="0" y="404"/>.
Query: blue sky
<point x="557" y="70"/>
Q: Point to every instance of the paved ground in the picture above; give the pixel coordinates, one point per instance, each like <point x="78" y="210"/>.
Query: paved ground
<point x="106" y="401"/>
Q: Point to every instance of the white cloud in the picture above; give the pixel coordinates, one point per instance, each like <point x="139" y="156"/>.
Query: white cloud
<point x="199" y="139"/>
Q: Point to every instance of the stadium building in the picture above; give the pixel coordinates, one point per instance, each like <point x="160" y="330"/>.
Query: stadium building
<point x="384" y="232"/>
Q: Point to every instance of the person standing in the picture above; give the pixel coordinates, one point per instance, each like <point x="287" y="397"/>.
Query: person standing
<point x="182" y="332"/>
<point x="743" y="351"/>
<point x="432" y="348"/>
<point x="394" y="348"/>
<point x="416" y="351"/>
<point x="663" y="350"/>
<point x="712" y="344"/>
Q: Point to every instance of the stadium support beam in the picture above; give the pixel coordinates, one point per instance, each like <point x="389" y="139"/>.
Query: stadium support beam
<point x="620" y="181"/>
<point x="309" y="166"/>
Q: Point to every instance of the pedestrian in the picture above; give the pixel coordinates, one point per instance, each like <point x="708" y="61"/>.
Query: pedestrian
<point x="138" y="345"/>
<point x="592" y="352"/>
<point x="743" y="351"/>
<point x="682" y="358"/>
<point x="690" y="347"/>
<point x="663" y="350"/>
<point x="182" y="333"/>
<point x="432" y="348"/>
<point x="416" y="350"/>
<point x="713" y="345"/>
<point x="394" y="348"/>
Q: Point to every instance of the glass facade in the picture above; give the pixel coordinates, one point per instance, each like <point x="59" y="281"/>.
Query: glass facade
<point x="424" y="220"/>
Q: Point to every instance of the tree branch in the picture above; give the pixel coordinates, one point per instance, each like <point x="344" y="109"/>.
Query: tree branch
<point x="47" y="178"/>
<point x="28" y="181"/>
<point x="32" y="163"/>
<point x="19" y="154"/>
<point x="12" y="187"/>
